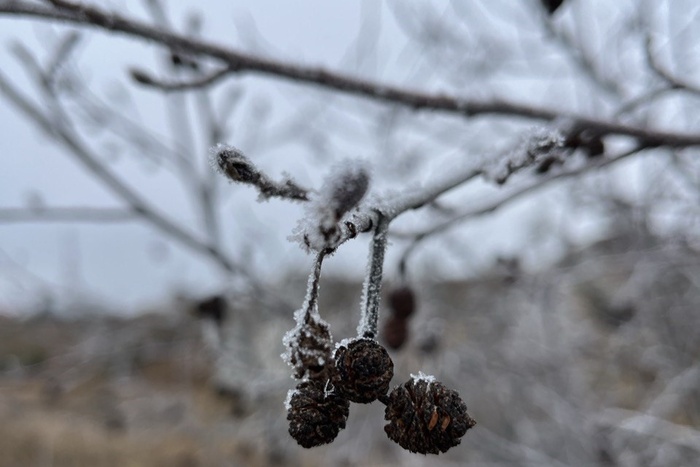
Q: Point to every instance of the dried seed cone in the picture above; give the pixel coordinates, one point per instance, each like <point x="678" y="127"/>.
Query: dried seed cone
<point x="315" y="417"/>
<point x="426" y="417"/>
<point x="403" y="302"/>
<point x="363" y="370"/>
<point x="395" y="332"/>
<point x="312" y="351"/>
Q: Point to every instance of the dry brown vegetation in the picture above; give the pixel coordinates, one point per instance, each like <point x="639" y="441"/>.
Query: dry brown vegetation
<point x="554" y="366"/>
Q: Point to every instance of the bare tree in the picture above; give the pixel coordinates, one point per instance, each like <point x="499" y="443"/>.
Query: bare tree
<point x="536" y="94"/>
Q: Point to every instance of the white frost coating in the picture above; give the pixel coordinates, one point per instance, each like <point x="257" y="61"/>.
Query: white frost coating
<point x="416" y="196"/>
<point x="423" y="377"/>
<point x="288" y="399"/>
<point x="328" y="388"/>
<point x="371" y="288"/>
<point x="304" y="316"/>
<point x="342" y="190"/>
<point x="540" y="143"/>
<point x="345" y="342"/>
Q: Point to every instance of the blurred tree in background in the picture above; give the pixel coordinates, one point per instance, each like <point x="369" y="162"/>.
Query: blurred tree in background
<point x="545" y="157"/>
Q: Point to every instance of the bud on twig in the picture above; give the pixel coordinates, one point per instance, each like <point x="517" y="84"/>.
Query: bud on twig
<point x="235" y="166"/>
<point x="346" y="188"/>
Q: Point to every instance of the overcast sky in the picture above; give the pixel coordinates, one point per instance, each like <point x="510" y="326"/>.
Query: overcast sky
<point x="130" y="265"/>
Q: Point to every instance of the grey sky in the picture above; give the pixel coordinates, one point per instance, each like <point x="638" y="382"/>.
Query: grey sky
<point x="131" y="264"/>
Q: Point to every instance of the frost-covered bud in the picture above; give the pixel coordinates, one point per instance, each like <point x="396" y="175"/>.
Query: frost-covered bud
<point x="395" y="332"/>
<point x="363" y="370"/>
<point x="309" y="350"/>
<point x="426" y="417"/>
<point x="345" y="189"/>
<point x="402" y="301"/>
<point x="342" y="190"/>
<point x="315" y="415"/>
<point x="234" y="164"/>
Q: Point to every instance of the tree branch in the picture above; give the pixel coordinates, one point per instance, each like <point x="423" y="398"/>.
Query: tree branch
<point x="473" y="213"/>
<point x="241" y="62"/>
<point x="71" y="142"/>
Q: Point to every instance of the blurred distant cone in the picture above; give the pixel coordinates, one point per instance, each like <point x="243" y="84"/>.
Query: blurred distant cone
<point x="395" y="332"/>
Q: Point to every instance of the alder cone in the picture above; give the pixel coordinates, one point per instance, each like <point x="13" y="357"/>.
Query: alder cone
<point x="316" y="417"/>
<point x="426" y="417"/>
<point x="395" y="332"/>
<point x="363" y="371"/>
<point x="312" y="350"/>
<point x="402" y="301"/>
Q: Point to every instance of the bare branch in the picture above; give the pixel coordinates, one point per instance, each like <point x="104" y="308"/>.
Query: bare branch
<point x="673" y="82"/>
<point x="470" y="214"/>
<point x="81" y="152"/>
<point x="583" y="60"/>
<point x="536" y="149"/>
<point x="240" y="62"/>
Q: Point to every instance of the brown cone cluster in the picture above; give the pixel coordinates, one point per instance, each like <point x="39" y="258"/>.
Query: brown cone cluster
<point x="426" y="417"/>
<point x="315" y="416"/>
<point x="363" y="370"/>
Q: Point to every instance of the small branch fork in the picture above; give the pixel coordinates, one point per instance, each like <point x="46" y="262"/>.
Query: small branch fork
<point x="237" y="62"/>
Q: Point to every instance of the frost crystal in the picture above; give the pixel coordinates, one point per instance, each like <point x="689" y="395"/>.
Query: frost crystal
<point x="423" y="377"/>
<point x="288" y="399"/>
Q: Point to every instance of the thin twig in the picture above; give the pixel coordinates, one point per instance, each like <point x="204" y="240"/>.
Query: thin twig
<point x="144" y="78"/>
<point x="91" y="162"/>
<point x="373" y="280"/>
<point x="655" y="66"/>
<point x="473" y="213"/>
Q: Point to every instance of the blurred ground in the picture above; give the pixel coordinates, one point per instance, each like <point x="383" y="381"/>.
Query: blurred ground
<point x="594" y="362"/>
